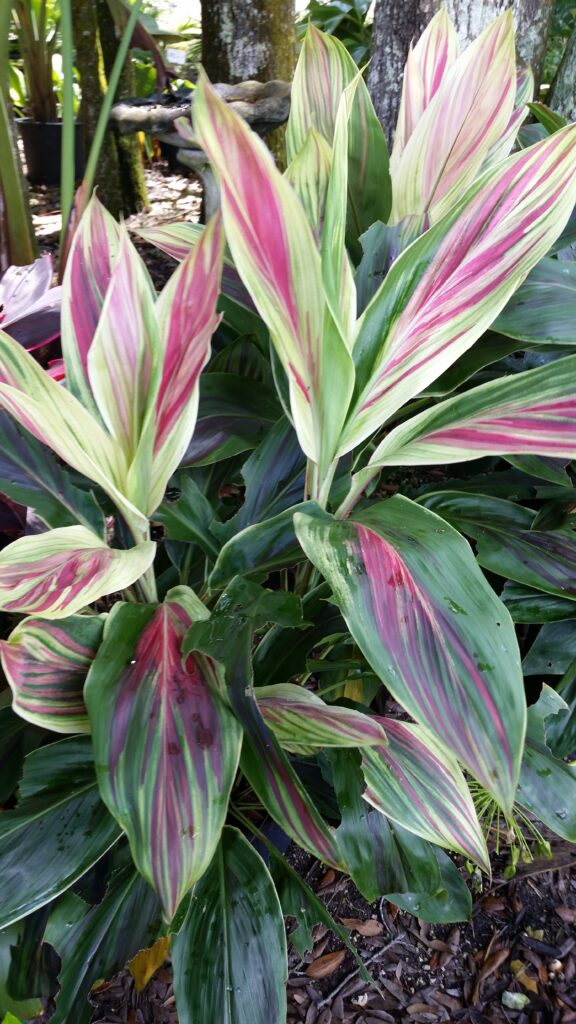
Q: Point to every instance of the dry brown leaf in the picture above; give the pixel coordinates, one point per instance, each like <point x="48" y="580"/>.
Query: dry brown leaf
<point x="491" y="964"/>
<point x="326" y="964"/>
<point x="367" y="928"/>
<point x="328" y="878"/>
<point x="145" y="964"/>
<point x="521" y="975"/>
<point x="492" y="904"/>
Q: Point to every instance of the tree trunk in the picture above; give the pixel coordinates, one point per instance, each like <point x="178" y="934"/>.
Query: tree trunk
<point x="248" y="39"/>
<point x="396" y="25"/>
<point x="562" y="95"/>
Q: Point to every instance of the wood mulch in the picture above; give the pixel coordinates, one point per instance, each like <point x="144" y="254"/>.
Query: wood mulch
<point x="515" y="961"/>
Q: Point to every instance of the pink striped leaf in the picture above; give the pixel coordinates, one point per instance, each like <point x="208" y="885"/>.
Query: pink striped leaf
<point x="276" y="255"/>
<point x="524" y="94"/>
<point x="309" y="174"/>
<point x="416" y="782"/>
<point x="468" y="113"/>
<point x="324" y="70"/>
<point x="88" y="271"/>
<point x="54" y="416"/>
<point x="426" y="65"/>
<point x="177" y="240"/>
<point x="46" y="664"/>
<point x="298" y="718"/>
<point x="187" y="319"/>
<point x="123" y="365"/>
<point x="166" y="743"/>
<point x="57" y="573"/>
<point x="425" y="618"/>
<point x="444" y="291"/>
<point x="532" y="413"/>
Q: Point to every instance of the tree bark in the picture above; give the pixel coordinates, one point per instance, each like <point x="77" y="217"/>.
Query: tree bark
<point x="396" y="25"/>
<point x="562" y="96"/>
<point x="248" y="39"/>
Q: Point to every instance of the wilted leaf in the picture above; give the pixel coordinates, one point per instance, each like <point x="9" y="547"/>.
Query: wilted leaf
<point x="326" y="965"/>
<point x="144" y="965"/>
<point x="367" y="928"/>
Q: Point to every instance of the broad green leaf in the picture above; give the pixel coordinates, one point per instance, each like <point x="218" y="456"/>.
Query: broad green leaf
<point x="234" y="415"/>
<point x="17" y="738"/>
<point x="507" y="545"/>
<point x="544" y="467"/>
<point x="58" y="830"/>
<point x="9" y="1007"/>
<point x="276" y="255"/>
<point x="547" y="786"/>
<point x="530" y="412"/>
<point x="262" y="547"/>
<point x="298" y="718"/>
<point x="229" y="956"/>
<point x="553" y="650"/>
<point x="46" y="665"/>
<point x="188" y="515"/>
<point x="30" y="474"/>
<point x="528" y="605"/>
<point x="423" y="615"/>
<point x="384" y="859"/>
<point x="543" y="309"/>
<point x="446" y="288"/>
<point x="418" y="784"/>
<point x="103" y="940"/>
<point x="468" y="112"/>
<point x="166" y="744"/>
<point x="57" y="573"/>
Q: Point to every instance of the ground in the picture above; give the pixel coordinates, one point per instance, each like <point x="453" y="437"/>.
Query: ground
<point x="521" y="941"/>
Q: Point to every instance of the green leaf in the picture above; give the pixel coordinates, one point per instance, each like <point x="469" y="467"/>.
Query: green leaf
<point x="261" y="548"/>
<point x="59" y="829"/>
<point x="386" y="860"/>
<point x="528" y="605"/>
<point x="234" y="415"/>
<point x="432" y="629"/>
<point x="552" y="651"/>
<point x="101" y="942"/>
<point x="282" y="653"/>
<point x="24" y="1009"/>
<point x="543" y="309"/>
<point x="230" y="954"/>
<point x="547" y="786"/>
<point x="17" y="739"/>
<point x="188" y="516"/>
<point x="507" y="545"/>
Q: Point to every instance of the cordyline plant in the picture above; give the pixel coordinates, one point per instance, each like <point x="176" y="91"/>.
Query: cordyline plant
<point x="222" y="665"/>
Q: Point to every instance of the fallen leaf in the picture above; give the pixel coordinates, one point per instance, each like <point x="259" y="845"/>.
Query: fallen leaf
<point x="491" y="964"/>
<point x="328" y="878"/>
<point x="326" y="964"/>
<point x="145" y="964"/>
<point x="493" y="904"/>
<point x="521" y="975"/>
<point x="367" y="928"/>
<point x="514" y="1000"/>
<point x="568" y="914"/>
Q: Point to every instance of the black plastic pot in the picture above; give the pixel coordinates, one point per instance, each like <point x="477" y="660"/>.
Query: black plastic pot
<point x="42" y="141"/>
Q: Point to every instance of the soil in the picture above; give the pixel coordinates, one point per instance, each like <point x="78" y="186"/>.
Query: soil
<point x="515" y="960"/>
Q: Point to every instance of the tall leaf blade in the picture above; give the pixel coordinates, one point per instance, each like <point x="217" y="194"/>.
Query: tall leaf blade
<point x="467" y="115"/>
<point x="433" y="630"/>
<point x="229" y="956"/>
<point x="56" y="574"/>
<point x="187" y="318"/>
<point x="46" y="665"/>
<point x="532" y="413"/>
<point x="167" y="745"/>
<point x="298" y="718"/>
<point x="275" y="253"/>
<point x="416" y="782"/>
<point x="88" y="272"/>
<point x="445" y="290"/>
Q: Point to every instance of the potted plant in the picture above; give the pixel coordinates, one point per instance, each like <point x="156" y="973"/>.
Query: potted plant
<point x="41" y="131"/>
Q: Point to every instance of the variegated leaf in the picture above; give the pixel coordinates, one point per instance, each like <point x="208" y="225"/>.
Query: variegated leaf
<point x="443" y="292"/>
<point x="426" y="65"/>
<point x="166" y="744"/>
<point x="532" y="413"/>
<point x="177" y="240"/>
<point x="187" y="319"/>
<point x="524" y="93"/>
<point x="425" y="618"/>
<point x="470" y="110"/>
<point x="309" y="174"/>
<point x="418" y="783"/>
<point x="275" y="253"/>
<point x="54" y="416"/>
<point x="57" y="573"/>
<point x="337" y="272"/>
<point x="88" y="271"/>
<point x="298" y="718"/>
<point x="46" y="665"/>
